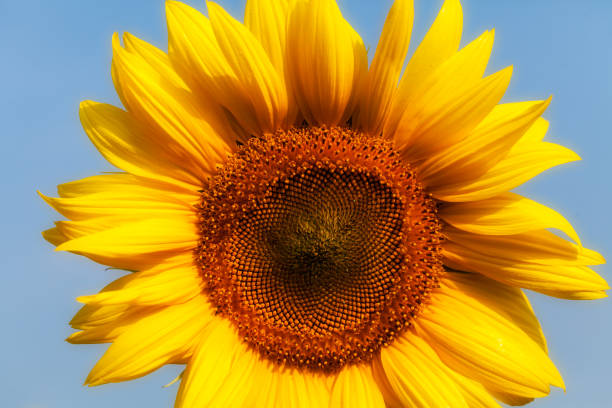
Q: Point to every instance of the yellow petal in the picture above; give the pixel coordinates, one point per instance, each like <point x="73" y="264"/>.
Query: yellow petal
<point x="139" y="204"/>
<point x="378" y="372"/>
<point x="484" y="147"/>
<point x="123" y="182"/>
<point x="577" y="294"/>
<point x="505" y="214"/>
<point x="535" y="133"/>
<point x="77" y="229"/>
<point x="417" y="376"/>
<point x="267" y="20"/>
<point x="475" y="395"/>
<point x="276" y="386"/>
<point x="539" y="261"/>
<point x="326" y="61"/>
<point x="90" y="316"/>
<point x="121" y="142"/>
<point x="442" y="117"/>
<point x="209" y="118"/>
<point x="508" y="301"/>
<point x="154" y="57"/>
<point x="538" y="246"/>
<point x="54" y="236"/>
<point x="384" y="73"/>
<point x="174" y="117"/>
<point x="162" y="338"/>
<point x="174" y="281"/>
<point x="220" y="372"/>
<point x="95" y="315"/>
<point x="511" y="399"/>
<point x="440" y="43"/>
<point x="525" y="161"/>
<point x="137" y="245"/>
<point x="67" y="230"/>
<point x="70" y="230"/>
<point x="161" y="64"/>
<point x="355" y="388"/>
<point x="253" y="68"/>
<point x="437" y="96"/>
<point x="477" y="341"/>
<point x="109" y="331"/>
<point x="196" y="54"/>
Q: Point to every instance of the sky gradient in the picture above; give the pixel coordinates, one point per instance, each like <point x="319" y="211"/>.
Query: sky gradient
<point x="56" y="54"/>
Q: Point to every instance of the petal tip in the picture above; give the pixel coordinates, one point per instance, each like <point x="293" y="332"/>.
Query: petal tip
<point x="83" y="299"/>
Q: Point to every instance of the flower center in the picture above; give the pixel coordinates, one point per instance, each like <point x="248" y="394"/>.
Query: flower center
<point x="319" y="245"/>
<point x="320" y="253"/>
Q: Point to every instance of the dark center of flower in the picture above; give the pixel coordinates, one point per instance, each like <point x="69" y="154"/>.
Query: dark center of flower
<point x="320" y="253"/>
<point x="319" y="245"/>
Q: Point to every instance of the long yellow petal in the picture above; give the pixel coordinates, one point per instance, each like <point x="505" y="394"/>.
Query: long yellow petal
<point x="123" y="182"/>
<point x="355" y="388"/>
<point x="174" y="116"/>
<point x="484" y="147"/>
<point x="54" y="236"/>
<point x="326" y="61"/>
<point x="539" y="246"/>
<point x="535" y="133"/>
<point x="378" y="372"/>
<point x="65" y="231"/>
<point x="384" y="73"/>
<point x="154" y="57"/>
<point x="525" y="161"/>
<point x="538" y="260"/>
<point x="220" y="372"/>
<point x="195" y="52"/>
<point x="478" y="341"/>
<point x="137" y="245"/>
<point x="90" y="316"/>
<point x="253" y="68"/>
<point x="417" y="376"/>
<point x="118" y="138"/>
<point x="475" y="395"/>
<point x="174" y="281"/>
<point x="162" y="338"/>
<point x="268" y="20"/>
<point x="112" y="329"/>
<point x="446" y="99"/>
<point x="136" y="203"/>
<point x="440" y="43"/>
<point x="275" y="386"/>
<point x="511" y="399"/>
<point x="161" y="64"/>
<point x="508" y="301"/>
<point x="505" y="214"/>
<point x="77" y="229"/>
<point x="443" y="117"/>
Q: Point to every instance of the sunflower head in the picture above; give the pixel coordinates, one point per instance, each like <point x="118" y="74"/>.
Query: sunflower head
<point x="303" y="228"/>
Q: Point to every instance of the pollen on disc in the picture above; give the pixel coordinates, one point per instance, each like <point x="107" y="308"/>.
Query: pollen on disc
<point x="319" y="245"/>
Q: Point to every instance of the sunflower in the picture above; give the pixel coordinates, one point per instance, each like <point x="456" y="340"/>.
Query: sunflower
<point x="302" y="229"/>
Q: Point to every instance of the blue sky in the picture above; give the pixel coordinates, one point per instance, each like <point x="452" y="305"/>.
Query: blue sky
<point x="56" y="54"/>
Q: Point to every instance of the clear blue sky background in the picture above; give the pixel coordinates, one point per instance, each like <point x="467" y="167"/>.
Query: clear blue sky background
<point x="57" y="53"/>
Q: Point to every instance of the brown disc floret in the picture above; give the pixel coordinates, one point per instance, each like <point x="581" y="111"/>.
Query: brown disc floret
<point x="319" y="245"/>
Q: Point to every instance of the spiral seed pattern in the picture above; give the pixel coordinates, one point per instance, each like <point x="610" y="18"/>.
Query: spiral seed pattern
<point x="319" y="245"/>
